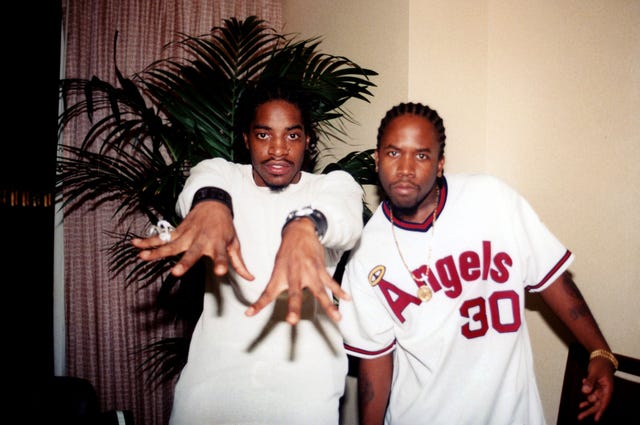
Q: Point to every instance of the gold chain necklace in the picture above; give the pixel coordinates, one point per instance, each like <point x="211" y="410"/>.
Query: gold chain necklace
<point x="424" y="292"/>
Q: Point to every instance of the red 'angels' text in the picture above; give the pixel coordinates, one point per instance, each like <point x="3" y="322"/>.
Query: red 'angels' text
<point x="501" y="310"/>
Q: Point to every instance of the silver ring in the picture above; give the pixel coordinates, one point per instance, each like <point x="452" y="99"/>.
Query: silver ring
<point x="165" y="236"/>
<point x="163" y="229"/>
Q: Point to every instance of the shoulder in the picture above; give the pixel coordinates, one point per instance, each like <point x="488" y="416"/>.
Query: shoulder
<point x="483" y="185"/>
<point x="375" y="235"/>
<point x="377" y="225"/>
<point x="474" y="179"/>
<point x="485" y="195"/>
<point x="219" y="166"/>
<point x="337" y="175"/>
<point x="335" y="180"/>
<point x="213" y="163"/>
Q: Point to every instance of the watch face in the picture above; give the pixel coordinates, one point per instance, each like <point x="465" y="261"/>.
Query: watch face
<point x="316" y="216"/>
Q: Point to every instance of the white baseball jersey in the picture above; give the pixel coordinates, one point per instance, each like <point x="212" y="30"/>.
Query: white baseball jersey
<point x="464" y="356"/>
<point x="261" y="370"/>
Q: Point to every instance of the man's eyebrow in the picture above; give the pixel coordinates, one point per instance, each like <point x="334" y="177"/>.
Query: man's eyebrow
<point x="266" y="127"/>
<point x="394" y="147"/>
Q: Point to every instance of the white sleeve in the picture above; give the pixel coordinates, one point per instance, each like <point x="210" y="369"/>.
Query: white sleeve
<point x="546" y="258"/>
<point x="366" y="326"/>
<point x="340" y="198"/>
<point x="215" y="172"/>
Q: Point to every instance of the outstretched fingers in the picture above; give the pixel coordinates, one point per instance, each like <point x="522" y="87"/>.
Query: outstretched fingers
<point x="237" y="262"/>
<point x="154" y="247"/>
<point x="207" y="231"/>
<point x="267" y="297"/>
<point x="294" y="304"/>
<point x="295" y="294"/>
<point x="325" y="301"/>
<point x="188" y="259"/>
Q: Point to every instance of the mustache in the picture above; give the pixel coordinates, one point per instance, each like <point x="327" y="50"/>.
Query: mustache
<point x="404" y="182"/>
<point x="276" y="161"/>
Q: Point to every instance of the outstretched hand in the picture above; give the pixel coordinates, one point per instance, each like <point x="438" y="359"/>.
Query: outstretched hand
<point x="299" y="264"/>
<point x="598" y="388"/>
<point x="207" y="231"/>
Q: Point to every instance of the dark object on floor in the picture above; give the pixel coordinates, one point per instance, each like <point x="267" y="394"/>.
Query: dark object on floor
<point x="73" y="401"/>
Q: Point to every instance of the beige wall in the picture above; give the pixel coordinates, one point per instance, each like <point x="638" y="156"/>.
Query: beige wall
<point x="371" y="35"/>
<point x="543" y="94"/>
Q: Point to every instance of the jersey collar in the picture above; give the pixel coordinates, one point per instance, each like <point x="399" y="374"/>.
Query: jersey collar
<point x="425" y="225"/>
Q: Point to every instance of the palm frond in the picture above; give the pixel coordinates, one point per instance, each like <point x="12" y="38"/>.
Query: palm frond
<point x="165" y="359"/>
<point x="359" y="164"/>
<point x="141" y="181"/>
<point x="362" y="167"/>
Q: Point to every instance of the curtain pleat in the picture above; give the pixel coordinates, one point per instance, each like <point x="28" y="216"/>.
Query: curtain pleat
<point x="108" y="322"/>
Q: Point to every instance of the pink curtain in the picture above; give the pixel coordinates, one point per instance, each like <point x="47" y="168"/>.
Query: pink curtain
<point x="108" y="322"/>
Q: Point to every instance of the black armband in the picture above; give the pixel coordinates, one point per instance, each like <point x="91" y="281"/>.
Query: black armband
<point x="212" y="194"/>
<point x="318" y="219"/>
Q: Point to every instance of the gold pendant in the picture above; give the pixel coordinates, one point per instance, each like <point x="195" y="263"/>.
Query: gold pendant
<point x="424" y="293"/>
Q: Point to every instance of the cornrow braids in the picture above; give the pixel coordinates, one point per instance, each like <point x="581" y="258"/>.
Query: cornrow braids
<point x="420" y="110"/>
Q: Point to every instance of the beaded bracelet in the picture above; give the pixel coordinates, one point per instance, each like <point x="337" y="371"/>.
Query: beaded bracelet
<point x="606" y="354"/>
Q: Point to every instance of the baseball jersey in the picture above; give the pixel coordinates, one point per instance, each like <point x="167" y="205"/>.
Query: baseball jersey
<point x="260" y="369"/>
<point x="464" y="356"/>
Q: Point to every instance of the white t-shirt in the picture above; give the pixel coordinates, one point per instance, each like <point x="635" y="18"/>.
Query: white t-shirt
<point x="261" y="370"/>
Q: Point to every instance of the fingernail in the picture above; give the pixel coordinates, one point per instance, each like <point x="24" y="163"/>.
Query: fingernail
<point x="292" y="318"/>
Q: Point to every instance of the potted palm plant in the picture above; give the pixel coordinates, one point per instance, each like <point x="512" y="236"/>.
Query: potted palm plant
<point x="154" y="126"/>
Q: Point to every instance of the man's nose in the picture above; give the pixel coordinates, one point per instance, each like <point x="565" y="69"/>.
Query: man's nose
<point x="278" y="147"/>
<point x="406" y="166"/>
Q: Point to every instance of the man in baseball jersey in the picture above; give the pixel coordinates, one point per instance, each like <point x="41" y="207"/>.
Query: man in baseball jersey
<point x="438" y="283"/>
<point x="268" y="227"/>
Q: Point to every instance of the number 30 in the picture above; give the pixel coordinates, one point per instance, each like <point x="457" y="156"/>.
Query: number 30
<point x="505" y="314"/>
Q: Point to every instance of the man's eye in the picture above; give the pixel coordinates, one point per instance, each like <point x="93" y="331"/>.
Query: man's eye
<point x="294" y="136"/>
<point x="392" y="154"/>
<point x="422" y="156"/>
<point x="261" y="136"/>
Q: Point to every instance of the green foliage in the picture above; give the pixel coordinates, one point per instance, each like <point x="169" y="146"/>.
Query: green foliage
<point x="147" y="131"/>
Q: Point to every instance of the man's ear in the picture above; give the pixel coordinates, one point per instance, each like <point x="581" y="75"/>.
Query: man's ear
<point x="246" y="140"/>
<point x="441" y="166"/>
<point x="307" y="140"/>
<point x="375" y="159"/>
